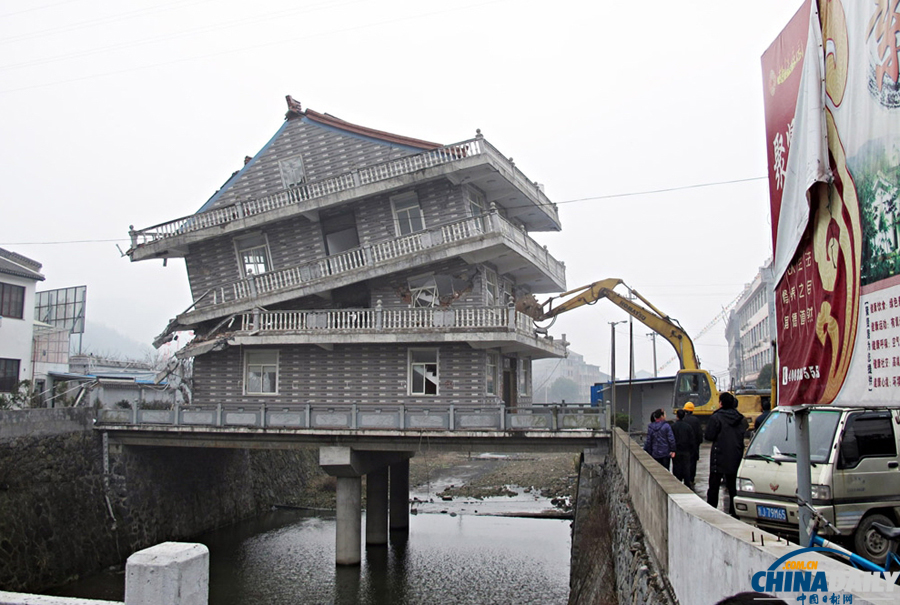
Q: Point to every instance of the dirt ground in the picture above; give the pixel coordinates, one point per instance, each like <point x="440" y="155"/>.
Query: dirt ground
<point x="461" y="475"/>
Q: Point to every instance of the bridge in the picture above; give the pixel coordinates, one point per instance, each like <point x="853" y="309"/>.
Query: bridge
<point x="364" y="439"/>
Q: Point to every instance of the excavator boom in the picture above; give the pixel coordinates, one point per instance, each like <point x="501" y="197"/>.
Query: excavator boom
<point x="650" y="316"/>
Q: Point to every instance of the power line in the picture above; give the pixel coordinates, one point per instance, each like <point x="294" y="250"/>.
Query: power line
<point x="584" y="199"/>
<point x="667" y="190"/>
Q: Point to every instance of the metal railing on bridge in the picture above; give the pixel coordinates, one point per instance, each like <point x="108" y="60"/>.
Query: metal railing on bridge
<point x="419" y="417"/>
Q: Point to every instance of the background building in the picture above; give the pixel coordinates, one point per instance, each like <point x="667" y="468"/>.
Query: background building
<point x="566" y="373"/>
<point x="751" y="329"/>
<point x="18" y="277"/>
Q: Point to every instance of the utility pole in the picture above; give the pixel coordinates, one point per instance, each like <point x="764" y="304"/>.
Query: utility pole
<point x="612" y="366"/>
<point x="652" y="336"/>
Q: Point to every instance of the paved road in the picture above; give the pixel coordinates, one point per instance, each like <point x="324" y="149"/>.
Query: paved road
<point x="701" y="482"/>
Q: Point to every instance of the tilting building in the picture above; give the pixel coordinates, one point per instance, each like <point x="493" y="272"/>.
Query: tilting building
<point x="346" y="265"/>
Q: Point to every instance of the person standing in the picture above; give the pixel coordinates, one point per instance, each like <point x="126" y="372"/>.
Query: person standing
<point x="694" y="423"/>
<point x="761" y="419"/>
<point x="726" y="430"/>
<point x="660" y="441"/>
<point x="684" y="447"/>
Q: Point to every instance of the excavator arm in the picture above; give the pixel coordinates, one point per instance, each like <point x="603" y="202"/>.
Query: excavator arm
<point x="651" y="317"/>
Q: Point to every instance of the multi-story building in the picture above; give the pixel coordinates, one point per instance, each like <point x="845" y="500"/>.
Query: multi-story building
<point x="751" y="329"/>
<point x="574" y="368"/>
<point x="343" y="264"/>
<point x="18" y="277"/>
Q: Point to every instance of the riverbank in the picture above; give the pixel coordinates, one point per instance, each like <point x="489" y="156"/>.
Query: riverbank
<point x="455" y="476"/>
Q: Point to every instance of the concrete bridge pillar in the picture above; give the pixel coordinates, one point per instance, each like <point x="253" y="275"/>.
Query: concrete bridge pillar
<point x="377" y="507"/>
<point x="349" y="465"/>
<point x="400" y="496"/>
<point x="349" y="521"/>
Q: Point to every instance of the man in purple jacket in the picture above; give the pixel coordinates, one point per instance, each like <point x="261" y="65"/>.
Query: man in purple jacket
<point x="660" y="441"/>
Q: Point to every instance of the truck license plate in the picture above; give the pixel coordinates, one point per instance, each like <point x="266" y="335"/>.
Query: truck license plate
<point x="776" y="513"/>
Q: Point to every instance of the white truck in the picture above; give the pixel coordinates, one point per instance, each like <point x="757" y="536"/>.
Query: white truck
<point x="855" y="474"/>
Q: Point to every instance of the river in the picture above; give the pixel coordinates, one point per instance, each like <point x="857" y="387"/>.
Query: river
<point x="452" y="554"/>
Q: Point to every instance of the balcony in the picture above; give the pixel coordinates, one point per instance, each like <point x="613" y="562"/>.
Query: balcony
<point x="475" y="239"/>
<point x="474" y="161"/>
<point x="480" y="327"/>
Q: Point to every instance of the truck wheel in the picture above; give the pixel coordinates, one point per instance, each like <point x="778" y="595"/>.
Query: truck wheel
<point x="869" y="543"/>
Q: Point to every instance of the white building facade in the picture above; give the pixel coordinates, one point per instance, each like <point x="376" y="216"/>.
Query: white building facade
<point x="18" y="278"/>
<point x="751" y="329"/>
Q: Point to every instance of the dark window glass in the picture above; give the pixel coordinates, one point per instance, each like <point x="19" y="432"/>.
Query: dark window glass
<point x="867" y="435"/>
<point x="12" y="301"/>
<point x="9" y="375"/>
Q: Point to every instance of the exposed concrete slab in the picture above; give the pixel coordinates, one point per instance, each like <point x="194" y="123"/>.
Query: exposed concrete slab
<point x="349" y="462"/>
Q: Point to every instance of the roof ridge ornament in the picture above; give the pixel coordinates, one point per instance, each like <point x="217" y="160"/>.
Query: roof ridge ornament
<point x="294" y="108"/>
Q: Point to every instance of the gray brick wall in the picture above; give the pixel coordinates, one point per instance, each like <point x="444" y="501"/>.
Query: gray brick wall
<point x="347" y="374"/>
<point x="214" y="263"/>
<point x="326" y="152"/>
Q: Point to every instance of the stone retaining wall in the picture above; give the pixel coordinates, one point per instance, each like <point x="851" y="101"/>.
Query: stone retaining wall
<point x="61" y="516"/>
<point x="667" y="545"/>
<point x="610" y="562"/>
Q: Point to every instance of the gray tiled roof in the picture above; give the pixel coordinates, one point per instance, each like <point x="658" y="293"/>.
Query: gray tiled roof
<point x="12" y="263"/>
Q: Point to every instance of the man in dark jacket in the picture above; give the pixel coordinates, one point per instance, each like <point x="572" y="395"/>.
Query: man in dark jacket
<point x="726" y="430"/>
<point x="684" y="446"/>
<point x="694" y="423"/>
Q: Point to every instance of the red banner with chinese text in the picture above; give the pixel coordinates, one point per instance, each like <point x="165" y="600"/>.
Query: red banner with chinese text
<point x="838" y="301"/>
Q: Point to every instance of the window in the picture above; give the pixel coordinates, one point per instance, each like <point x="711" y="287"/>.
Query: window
<point x="253" y="254"/>
<point x="525" y="386"/>
<point x="9" y="375"/>
<point x="424" y="291"/>
<point x="492" y="374"/>
<point x="477" y="205"/>
<point x="867" y="435"/>
<point x="408" y="216"/>
<point x="12" y="301"/>
<point x="340" y="233"/>
<point x="491" y="291"/>
<point x="423" y="371"/>
<point x="261" y="373"/>
<point x="292" y="173"/>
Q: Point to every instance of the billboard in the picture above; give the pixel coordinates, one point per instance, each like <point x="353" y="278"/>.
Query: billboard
<point x="62" y="308"/>
<point x="836" y="215"/>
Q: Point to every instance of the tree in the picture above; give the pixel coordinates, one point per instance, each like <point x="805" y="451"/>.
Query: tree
<point x="764" y="380"/>
<point x="564" y="389"/>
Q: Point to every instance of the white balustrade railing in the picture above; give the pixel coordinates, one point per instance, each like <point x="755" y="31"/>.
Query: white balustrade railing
<point x="385" y="251"/>
<point x="388" y="319"/>
<point x="362" y="416"/>
<point x="379" y="172"/>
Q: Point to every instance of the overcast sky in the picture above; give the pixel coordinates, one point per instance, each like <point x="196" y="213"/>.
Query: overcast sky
<point x="643" y="120"/>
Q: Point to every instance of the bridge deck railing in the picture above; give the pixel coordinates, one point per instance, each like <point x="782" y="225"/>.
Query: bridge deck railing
<point x="464" y="417"/>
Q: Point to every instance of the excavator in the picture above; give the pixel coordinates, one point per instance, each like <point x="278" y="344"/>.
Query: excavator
<point x="692" y="384"/>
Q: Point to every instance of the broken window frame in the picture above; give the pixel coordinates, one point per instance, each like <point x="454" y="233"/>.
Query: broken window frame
<point x="293" y="173"/>
<point x="408" y="215"/>
<point x="420" y="288"/>
<point x="424" y="376"/>
<point x="261" y="372"/>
